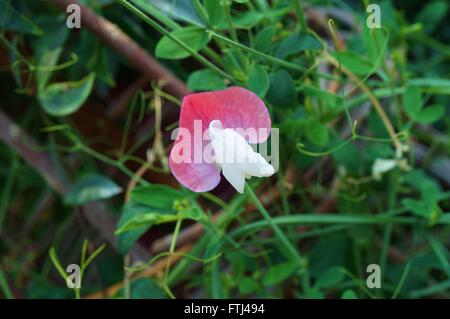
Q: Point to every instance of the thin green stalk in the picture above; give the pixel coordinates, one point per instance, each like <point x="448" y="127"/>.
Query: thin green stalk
<point x="309" y="53"/>
<point x="330" y="219"/>
<point x="402" y="279"/>
<point x="390" y="81"/>
<point x="270" y="58"/>
<point x="283" y="193"/>
<point x="123" y="143"/>
<point x="126" y="277"/>
<point x="227" y="8"/>
<point x="389" y="227"/>
<point x="442" y="286"/>
<point x="278" y="232"/>
<point x="215" y="199"/>
<point x="215" y="280"/>
<point x="172" y="247"/>
<point x="441" y="254"/>
<point x="301" y="16"/>
<point x="5" y="287"/>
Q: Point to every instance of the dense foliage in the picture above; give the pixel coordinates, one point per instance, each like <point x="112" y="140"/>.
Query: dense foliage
<point x="86" y="116"/>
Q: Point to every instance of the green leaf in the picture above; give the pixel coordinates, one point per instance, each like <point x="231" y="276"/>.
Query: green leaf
<point x="148" y="205"/>
<point x="156" y="195"/>
<point x="180" y="10"/>
<point x="431" y="114"/>
<point x="48" y="48"/>
<point x="349" y="157"/>
<point x="317" y="133"/>
<point x="102" y="66"/>
<point x="330" y="100"/>
<point x="412" y="102"/>
<point x="247" y="20"/>
<point x="282" y="90"/>
<point x="145" y="288"/>
<point x="196" y="38"/>
<point x="349" y="294"/>
<point x="426" y="208"/>
<point x="314" y="293"/>
<point x="297" y="43"/>
<point x="263" y="40"/>
<point x="91" y="188"/>
<point x="215" y="12"/>
<point x="125" y="241"/>
<point x="354" y="62"/>
<point x="373" y="40"/>
<point x="247" y="285"/>
<point x="153" y="216"/>
<point x="432" y="85"/>
<point x="13" y="20"/>
<point x="420" y="181"/>
<point x="205" y="80"/>
<point x="330" y="278"/>
<point x="258" y="80"/>
<point x="279" y="273"/>
<point x="64" y="98"/>
<point x="432" y="14"/>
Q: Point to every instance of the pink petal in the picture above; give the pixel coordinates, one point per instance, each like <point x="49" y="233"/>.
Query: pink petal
<point x="199" y="177"/>
<point x="236" y="108"/>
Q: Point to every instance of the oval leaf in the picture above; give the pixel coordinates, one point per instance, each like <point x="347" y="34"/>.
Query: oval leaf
<point x="279" y="273"/>
<point x="330" y="278"/>
<point x="354" y="62"/>
<point x="317" y="133"/>
<point x="258" y="80"/>
<point x="431" y="114"/>
<point x="282" y="90"/>
<point x="195" y="37"/>
<point x="91" y="188"/>
<point x="61" y="99"/>
<point x="205" y="80"/>
<point x="156" y="195"/>
<point x="412" y="102"/>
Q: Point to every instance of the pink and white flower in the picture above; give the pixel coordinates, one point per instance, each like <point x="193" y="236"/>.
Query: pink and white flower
<point x="214" y="133"/>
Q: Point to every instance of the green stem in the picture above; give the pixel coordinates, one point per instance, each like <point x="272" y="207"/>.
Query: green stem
<point x="172" y="247"/>
<point x="4" y="286"/>
<point x="402" y="279"/>
<point x="270" y="58"/>
<point x="301" y="15"/>
<point x="278" y="232"/>
<point x="331" y="219"/>
<point x="233" y="33"/>
<point x="215" y="199"/>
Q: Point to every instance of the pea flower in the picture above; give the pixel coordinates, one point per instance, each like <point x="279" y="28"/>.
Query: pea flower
<point x="214" y="135"/>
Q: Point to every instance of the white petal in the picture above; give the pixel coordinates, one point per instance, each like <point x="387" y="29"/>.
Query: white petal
<point x="381" y="166"/>
<point x="258" y="166"/>
<point x="234" y="176"/>
<point x="236" y="157"/>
